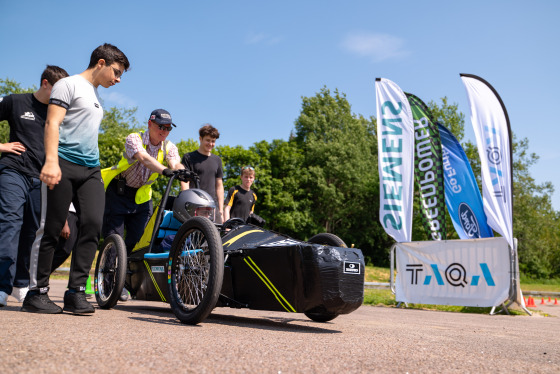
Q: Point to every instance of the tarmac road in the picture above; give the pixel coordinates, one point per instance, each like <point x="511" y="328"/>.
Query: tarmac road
<point x="141" y="337"/>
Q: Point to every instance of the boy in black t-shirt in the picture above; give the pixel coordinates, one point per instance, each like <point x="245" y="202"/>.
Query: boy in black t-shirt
<point x="241" y="199"/>
<point x="208" y="166"/>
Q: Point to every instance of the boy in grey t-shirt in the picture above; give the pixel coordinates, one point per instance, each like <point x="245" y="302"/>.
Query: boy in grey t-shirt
<point x="72" y="174"/>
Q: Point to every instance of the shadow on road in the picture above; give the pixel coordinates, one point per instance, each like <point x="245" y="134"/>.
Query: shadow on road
<point x="274" y="323"/>
<point x="270" y="323"/>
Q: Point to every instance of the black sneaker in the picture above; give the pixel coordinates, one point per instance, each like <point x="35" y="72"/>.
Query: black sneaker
<point x="37" y="302"/>
<point x="75" y="302"/>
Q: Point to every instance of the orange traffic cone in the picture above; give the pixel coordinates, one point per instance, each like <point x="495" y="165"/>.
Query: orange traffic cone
<point x="549" y="299"/>
<point x="542" y="300"/>
<point x="531" y="303"/>
<point x="555" y="301"/>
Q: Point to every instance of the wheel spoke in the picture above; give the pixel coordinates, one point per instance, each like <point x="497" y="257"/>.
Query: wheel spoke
<point x="192" y="269"/>
<point x="107" y="271"/>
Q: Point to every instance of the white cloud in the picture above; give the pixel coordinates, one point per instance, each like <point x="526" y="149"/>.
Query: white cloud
<point x="379" y="47"/>
<point x="261" y="38"/>
<point x="119" y="99"/>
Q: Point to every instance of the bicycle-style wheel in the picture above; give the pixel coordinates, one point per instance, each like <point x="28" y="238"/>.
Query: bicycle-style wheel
<point x="196" y="270"/>
<point x="110" y="271"/>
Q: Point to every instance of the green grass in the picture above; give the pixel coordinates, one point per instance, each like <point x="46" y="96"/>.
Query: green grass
<point x="387" y="298"/>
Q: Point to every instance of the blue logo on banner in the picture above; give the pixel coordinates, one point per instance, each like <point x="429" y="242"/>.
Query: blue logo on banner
<point x="462" y="195"/>
<point x="468" y="220"/>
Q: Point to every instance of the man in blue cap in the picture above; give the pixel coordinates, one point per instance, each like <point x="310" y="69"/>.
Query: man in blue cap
<point x="128" y="197"/>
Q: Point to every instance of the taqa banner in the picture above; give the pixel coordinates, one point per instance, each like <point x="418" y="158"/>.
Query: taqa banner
<point x="428" y="168"/>
<point x="395" y="137"/>
<point x="492" y="130"/>
<point x="462" y="195"/>
<point x="453" y="272"/>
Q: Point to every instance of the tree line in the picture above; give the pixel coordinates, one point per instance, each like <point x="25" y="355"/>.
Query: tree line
<point x="324" y="178"/>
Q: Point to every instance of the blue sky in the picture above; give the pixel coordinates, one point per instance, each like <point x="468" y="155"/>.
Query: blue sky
<point x="244" y="65"/>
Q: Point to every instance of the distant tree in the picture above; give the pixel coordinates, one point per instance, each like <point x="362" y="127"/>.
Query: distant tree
<point x="233" y="159"/>
<point x="281" y="198"/>
<point x="160" y="184"/>
<point x="536" y="224"/>
<point x="8" y="87"/>
<point x="339" y="176"/>
<point x="117" y="123"/>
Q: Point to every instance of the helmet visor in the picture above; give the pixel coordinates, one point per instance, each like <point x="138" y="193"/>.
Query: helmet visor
<point x="203" y="211"/>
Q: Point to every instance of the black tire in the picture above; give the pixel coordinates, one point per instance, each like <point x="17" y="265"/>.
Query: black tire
<point x="328" y="239"/>
<point x="197" y="270"/>
<point x="110" y="271"/>
<point x="319" y="315"/>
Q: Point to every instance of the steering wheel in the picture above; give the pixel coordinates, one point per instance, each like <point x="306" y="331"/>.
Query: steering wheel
<point x="232" y="223"/>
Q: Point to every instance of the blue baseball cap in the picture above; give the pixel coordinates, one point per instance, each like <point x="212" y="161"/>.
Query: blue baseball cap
<point x="161" y="117"/>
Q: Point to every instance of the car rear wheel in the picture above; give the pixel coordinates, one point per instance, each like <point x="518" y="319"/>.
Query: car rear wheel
<point x="319" y="314"/>
<point x="327" y="239"/>
<point x="196" y="271"/>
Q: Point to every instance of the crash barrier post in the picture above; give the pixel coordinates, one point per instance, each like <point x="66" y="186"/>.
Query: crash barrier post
<point x="474" y="272"/>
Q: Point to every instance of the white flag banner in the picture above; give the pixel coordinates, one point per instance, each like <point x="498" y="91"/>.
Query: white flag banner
<point x="395" y="140"/>
<point x="491" y="127"/>
<point x="474" y="272"/>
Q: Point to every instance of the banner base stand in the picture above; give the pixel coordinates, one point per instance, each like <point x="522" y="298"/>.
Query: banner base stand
<point x="505" y="307"/>
<point x="402" y="302"/>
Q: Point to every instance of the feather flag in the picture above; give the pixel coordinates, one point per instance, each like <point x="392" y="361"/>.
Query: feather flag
<point x="395" y="137"/>
<point x="493" y="137"/>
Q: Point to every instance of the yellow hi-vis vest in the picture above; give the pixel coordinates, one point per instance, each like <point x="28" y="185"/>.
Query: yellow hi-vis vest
<point x="144" y="193"/>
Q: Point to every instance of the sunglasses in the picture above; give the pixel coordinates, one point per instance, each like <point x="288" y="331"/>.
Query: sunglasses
<point x="247" y="168"/>
<point x="117" y="72"/>
<point x="166" y="128"/>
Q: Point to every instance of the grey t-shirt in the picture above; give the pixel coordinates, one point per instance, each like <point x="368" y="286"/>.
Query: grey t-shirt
<point x="79" y="130"/>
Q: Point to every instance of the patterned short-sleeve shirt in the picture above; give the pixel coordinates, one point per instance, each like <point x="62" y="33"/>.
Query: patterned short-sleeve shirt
<point x="137" y="175"/>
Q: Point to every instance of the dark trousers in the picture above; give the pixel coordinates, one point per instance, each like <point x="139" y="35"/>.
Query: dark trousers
<point x="82" y="186"/>
<point x="20" y="207"/>
<point x="65" y="246"/>
<point x="122" y="212"/>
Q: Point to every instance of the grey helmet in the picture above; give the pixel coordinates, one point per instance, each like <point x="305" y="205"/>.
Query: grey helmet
<point x="193" y="202"/>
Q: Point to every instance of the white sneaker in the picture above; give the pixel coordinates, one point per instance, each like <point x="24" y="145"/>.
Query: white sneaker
<point x="19" y="293"/>
<point x="3" y="298"/>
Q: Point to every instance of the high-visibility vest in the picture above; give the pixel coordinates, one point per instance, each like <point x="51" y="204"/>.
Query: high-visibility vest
<point x="144" y="193"/>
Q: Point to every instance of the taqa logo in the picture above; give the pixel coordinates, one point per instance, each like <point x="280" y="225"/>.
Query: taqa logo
<point x="468" y="221"/>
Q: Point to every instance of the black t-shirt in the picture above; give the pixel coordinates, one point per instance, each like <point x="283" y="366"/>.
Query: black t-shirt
<point x="26" y="116"/>
<point x="241" y="201"/>
<point x="208" y="169"/>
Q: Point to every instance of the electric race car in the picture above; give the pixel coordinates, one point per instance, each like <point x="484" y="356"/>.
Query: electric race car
<point x="236" y="264"/>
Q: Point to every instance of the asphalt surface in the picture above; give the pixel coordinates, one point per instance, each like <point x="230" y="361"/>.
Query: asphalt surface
<point x="141" y="337"/>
